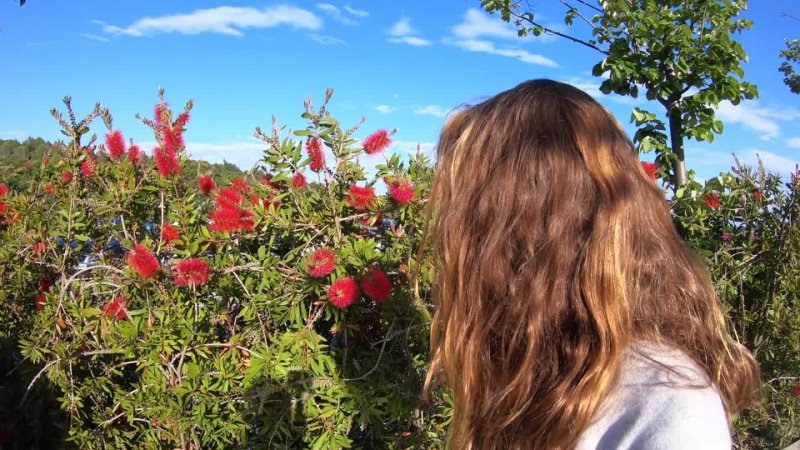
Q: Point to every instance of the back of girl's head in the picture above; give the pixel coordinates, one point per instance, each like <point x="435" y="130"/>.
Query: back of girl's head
<point x="554" y="252"/>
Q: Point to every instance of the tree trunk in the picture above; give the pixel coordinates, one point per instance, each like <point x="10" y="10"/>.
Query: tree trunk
<point x="676" y="142"/>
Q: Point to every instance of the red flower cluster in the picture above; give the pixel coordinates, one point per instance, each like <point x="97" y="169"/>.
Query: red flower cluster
<point x="299" y="181"/>
<point x="3" y="193"/>
<point x="321" y="263"/>
<point x="361" y="197"/>
<point x="230" y="215"/>
<point x="116" y="309"/>
<point x="115" y="144"/>
<point x="757" y="194"/>
<point x="44" y="286"/>
<point x="377" y="142"/>
<point x="651" y="169"/>
<point x="206" y="184"/>
<point x="376" y="285"/>
<point x="712" y="201"/>
<point x="402" y="191"/>
<point x="191" y="272"/>
<point x="143" y="262"/>
<point x="241" y="186"/>
<point x="266" y="180"/>
<point x="167" y="162"/>
<point x="135" y="154"/>
<point x="66" y="177"/>
<point x="727" y="237"/>
<point x="169" y="234"/>
<point x="41" y="300"/>
<point x="343" y="292"/>
<point x="314" y="148"/>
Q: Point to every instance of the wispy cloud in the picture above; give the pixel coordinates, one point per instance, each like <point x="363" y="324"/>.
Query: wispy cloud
<point x="336" y="14"/>
<point x="477" y="24"/>
<point x="244" y="154"/>
<point x="719" y="161"/>
<point x="793" y="142"/>
<point x="761" y="120"/>
<point x="482" y="46"/>
<point x="384" y="109"/>
<point x="95" y="37"/>
<point x="592" y="87"/>
<point x="227" y="20"/>
<point x="473" y="32"/>
<point x="403" y="33"/>
<point x="326" y="40"/>
<point x="357" y="12"/>
<point x="431" y="110"/>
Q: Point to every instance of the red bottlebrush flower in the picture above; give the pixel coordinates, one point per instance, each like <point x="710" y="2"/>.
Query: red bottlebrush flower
<point x="265" y="202"/>
<point x="173" y="140"/>
<point x="228" y="197"/>
<point x="266" y="180"/>
<point x="727" y="237"/>
<point x="182" y="120"/>
<point x="87" y="168"/>
<point x="115" y="144"/>
<point x="402" y="191"/>
<point x="757" y="194"/>
<point x="231" y="219"/>
<point x="376" y="285"/>
<point x="143" y="262"/>
<point x="45" y="284"/>
<point x="206" y="184"/>
<point x="377" y="142"/>
<point x="26" y="165"/>
<point x="321" y="263"/>
<point x="299" y="181"/>
<point x="167" y="162"/>
<point x="134" y="154"/>
<point x="240" y="185"/>
<point x="314" y="148"/>
<point x="49" y="188"/>
<point x="169" y="233"/>
<point x="796" y="390"/>
<point x="343" y="292"/>
<point x="159" y="114"/>
<point x="361" y="197"/>
<point x="41" y="300"/>
<point x="3" y="208"/>
<point x="116" y="309"/>
<point x="191" y="272"/>
<point x="66" y="177"/>
<point x="39" y="248"/>
<point x="3" y="189"/>
<point x="712" y="201"/>
<point x="651" y="169"/>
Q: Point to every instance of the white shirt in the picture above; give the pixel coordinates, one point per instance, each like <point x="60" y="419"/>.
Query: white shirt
<point x="657" y="409"/>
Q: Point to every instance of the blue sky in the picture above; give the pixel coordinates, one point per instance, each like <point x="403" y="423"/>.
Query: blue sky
<point x="402" y="65"/>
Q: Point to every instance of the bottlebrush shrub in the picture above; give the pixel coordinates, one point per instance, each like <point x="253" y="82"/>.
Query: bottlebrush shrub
<point x="747" y="225"/>
<point x="174" y="313"/>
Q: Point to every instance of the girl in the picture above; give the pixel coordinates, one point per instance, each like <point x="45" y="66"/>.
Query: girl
<point x="570" y="314"/>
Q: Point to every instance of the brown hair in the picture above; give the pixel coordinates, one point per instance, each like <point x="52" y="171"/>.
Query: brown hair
<point x="554" y="253"/>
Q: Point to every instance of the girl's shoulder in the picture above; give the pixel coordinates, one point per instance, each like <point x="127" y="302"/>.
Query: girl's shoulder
<point x="664" y="401"/>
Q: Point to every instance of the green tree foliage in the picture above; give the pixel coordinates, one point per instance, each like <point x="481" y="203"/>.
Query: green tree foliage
<point x="681" y="52"/>
<point x="791" y="56"/>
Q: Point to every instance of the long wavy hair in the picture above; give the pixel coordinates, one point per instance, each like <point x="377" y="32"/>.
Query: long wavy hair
<point x="555" y="253"/>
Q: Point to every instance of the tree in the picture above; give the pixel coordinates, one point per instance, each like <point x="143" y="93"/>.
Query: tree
<point x="679" y="51"/>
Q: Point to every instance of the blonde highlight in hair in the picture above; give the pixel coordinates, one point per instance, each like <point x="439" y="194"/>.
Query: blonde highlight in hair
<point x="554" y="253"/>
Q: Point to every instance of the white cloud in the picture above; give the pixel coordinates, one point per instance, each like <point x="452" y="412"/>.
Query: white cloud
<point x="721" y="161"/>
<point x="431" y="110"/>
<point x="336" y="13"/>
<point x="403" y="33"/>
<point x="410" y="40"/>
<point x="384" y="109"/>
<point x="772" y="162"/>
<point x="227" y="20"/>
<point x="763" y="121"/>
<point x="95" y="37"/>
<point x="13" y="134"/>
<point x="477" y="24"/>
<point x="326" y="40"/>
<point x="402" y="28"/>
<point x="592" y="87"/>
<point x="244" y="154"/>
<point x="356" y="12"/>
<point x="793" y="142"/>
<point x="482" y="46"/>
